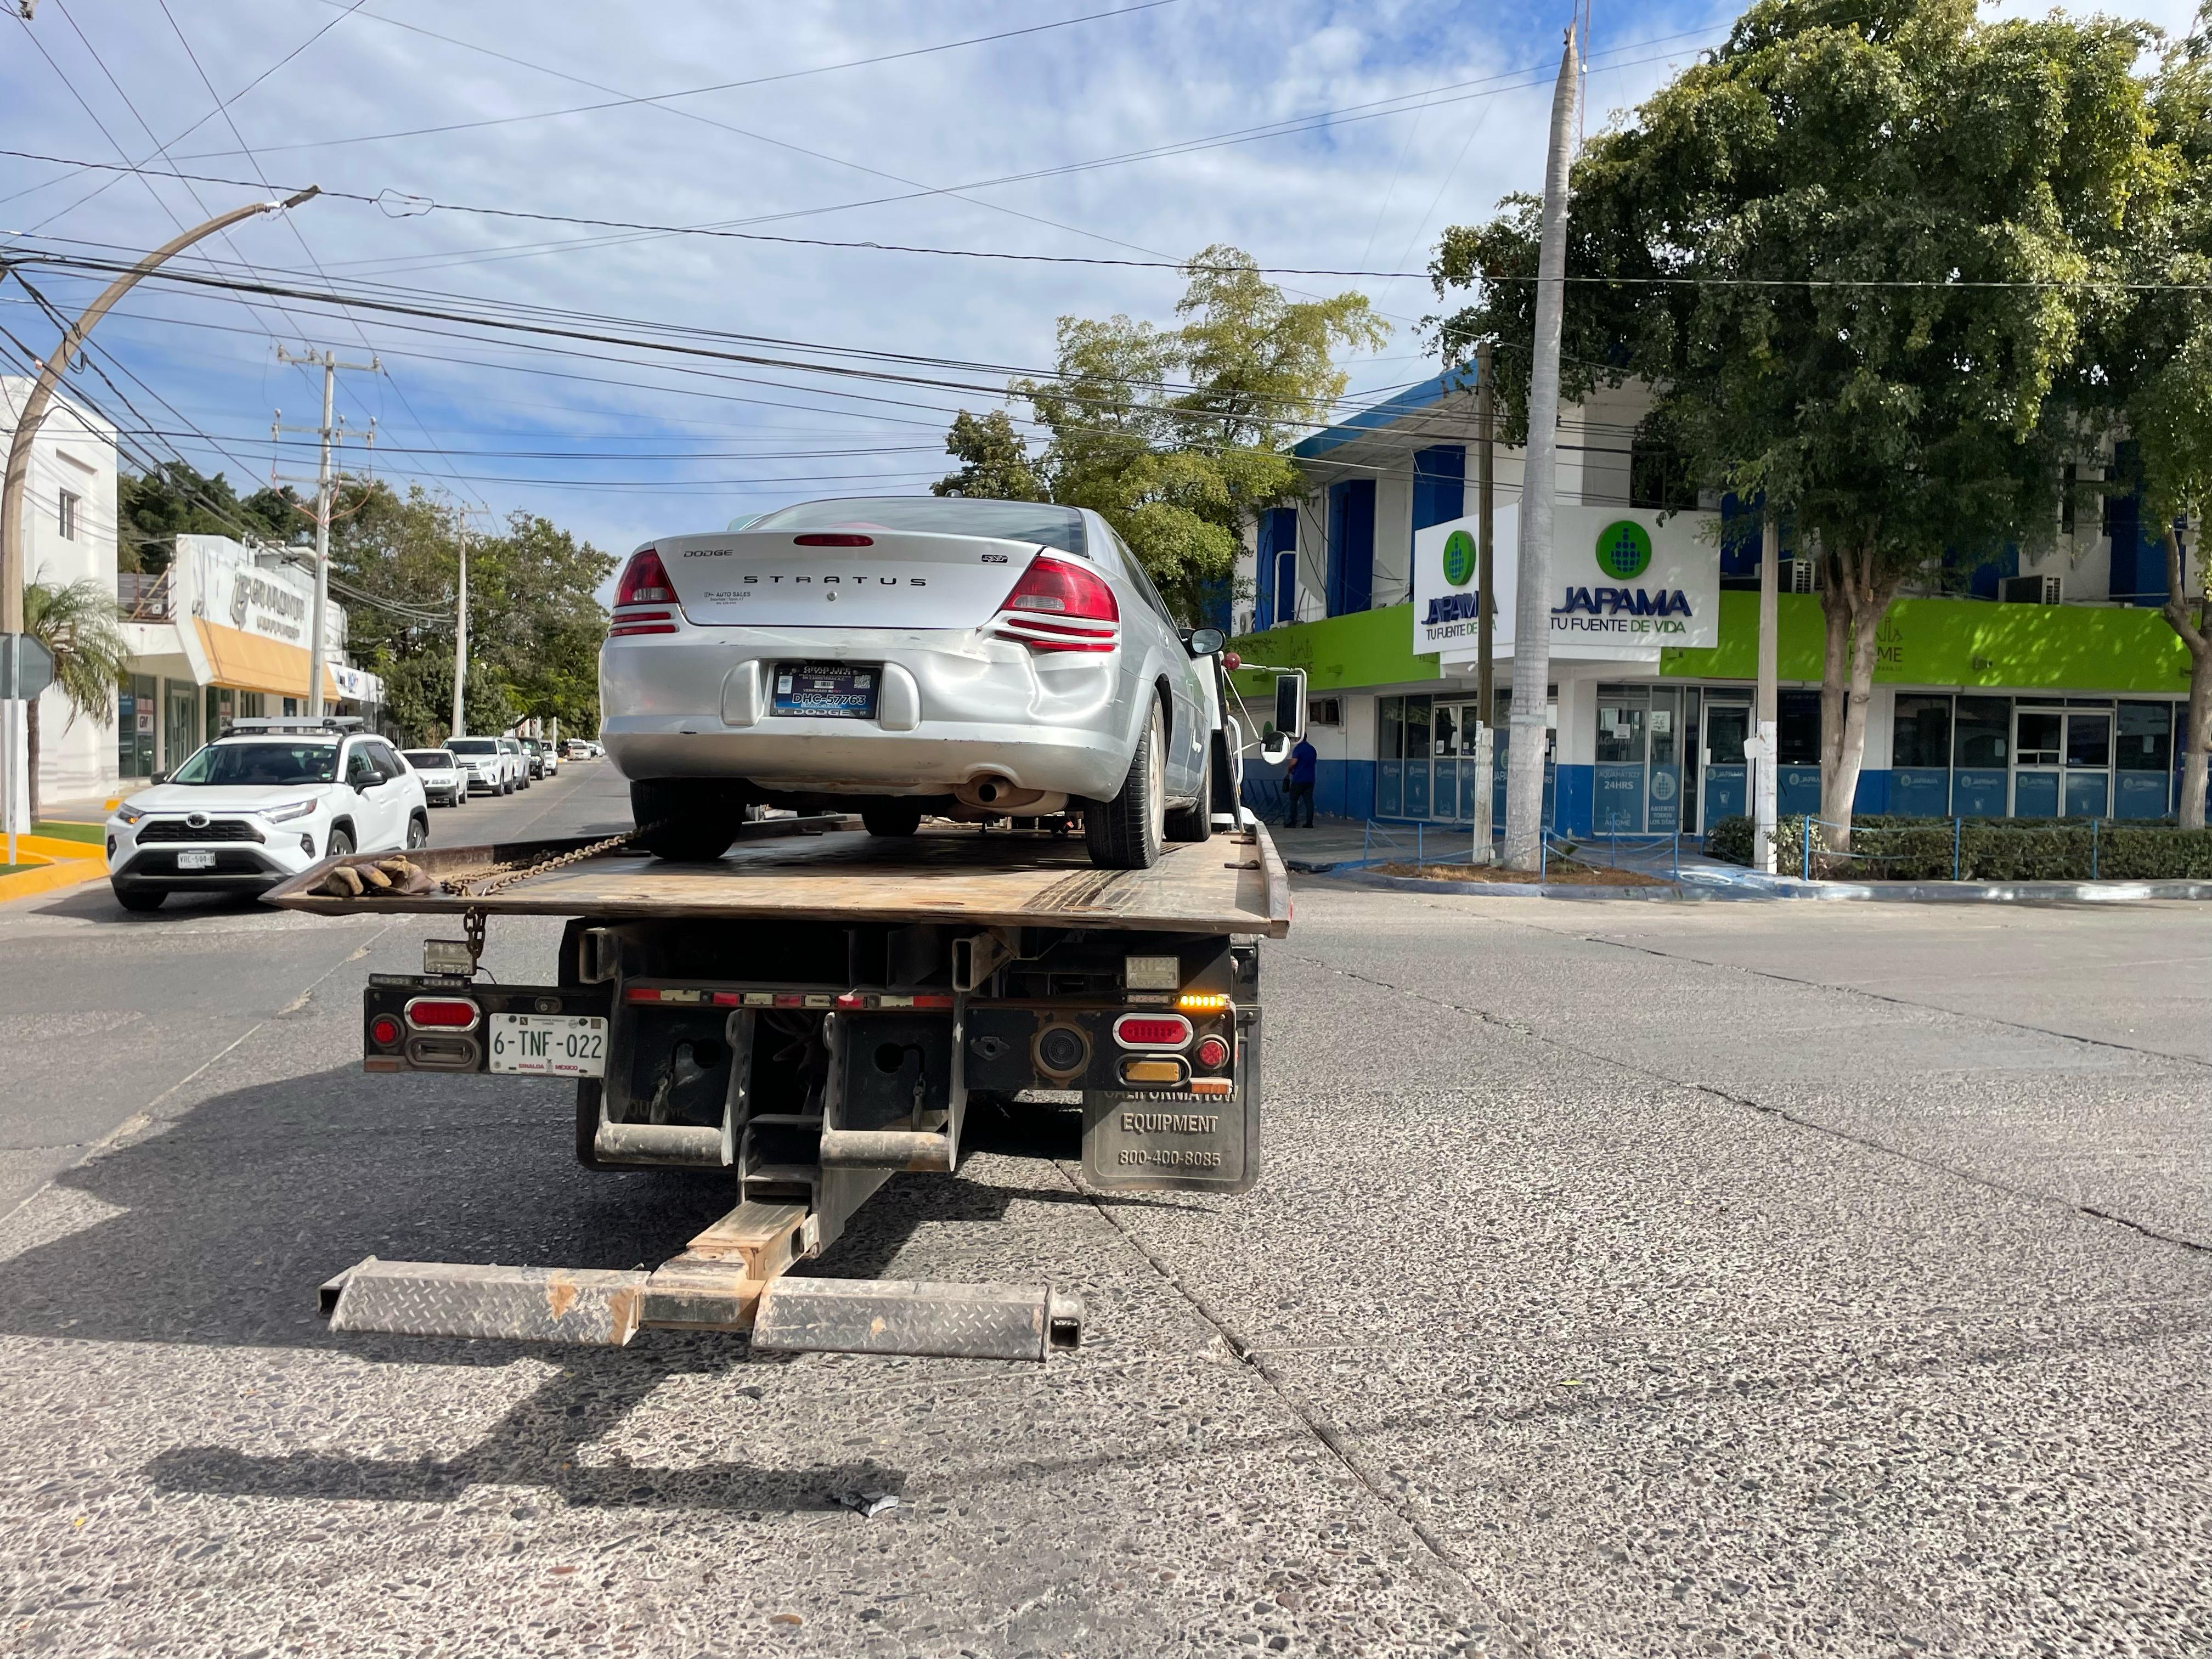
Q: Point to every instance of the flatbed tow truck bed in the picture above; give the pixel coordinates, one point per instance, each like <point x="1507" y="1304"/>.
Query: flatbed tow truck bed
<point x="810" y="1014"/>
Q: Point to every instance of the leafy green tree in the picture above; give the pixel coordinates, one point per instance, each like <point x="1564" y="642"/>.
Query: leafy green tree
<point x="1177" y="435"/>
<point x="77" y="622"/>
<point x="152" y="509"/>
<point x="2145" y="366"/>
<point x="994" y="461"/>
<point x="1846" y="250"/>
<point x="535" y="625"/>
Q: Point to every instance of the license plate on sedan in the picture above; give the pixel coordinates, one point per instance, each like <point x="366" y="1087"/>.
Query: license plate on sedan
<point x="549" y="1045"/>
<point x="831" y="691"/>
<point x="195" y="861"/>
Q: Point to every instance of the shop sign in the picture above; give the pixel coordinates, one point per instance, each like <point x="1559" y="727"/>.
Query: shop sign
<point x="1624" y="583"/>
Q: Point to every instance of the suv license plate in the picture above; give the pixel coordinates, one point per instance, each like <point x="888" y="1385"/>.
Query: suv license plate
<point x="195" y="861"/>
<point x="830" y="690"/>
<point x="549" y="1045"/>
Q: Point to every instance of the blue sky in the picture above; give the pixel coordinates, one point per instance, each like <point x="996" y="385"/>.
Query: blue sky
<point x="622" y="444"/>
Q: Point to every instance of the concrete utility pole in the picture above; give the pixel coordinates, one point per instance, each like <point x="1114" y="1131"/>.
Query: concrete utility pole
<point x="1766" y="786"/>
<point x="1485" y="733"/>
<point x="461" y="633"/>
<point x="1531" y="620"/>
<point x="15" y="781"/>
<point x="330" y="434"/>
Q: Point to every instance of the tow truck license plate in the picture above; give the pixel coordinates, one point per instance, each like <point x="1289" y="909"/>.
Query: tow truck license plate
<point x="549" y="1045"/>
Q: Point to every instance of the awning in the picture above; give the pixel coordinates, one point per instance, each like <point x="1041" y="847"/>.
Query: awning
<point x="251" y="663"/>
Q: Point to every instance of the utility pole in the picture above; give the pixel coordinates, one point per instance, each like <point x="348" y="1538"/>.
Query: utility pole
<point x="1486" y="735"/>
<point x="330" y="433"/>
<point x="15" y="782"/>
<point x="1532" y="621"/>
<point x="461" y="630"/>
<point x="1765" y="745"/>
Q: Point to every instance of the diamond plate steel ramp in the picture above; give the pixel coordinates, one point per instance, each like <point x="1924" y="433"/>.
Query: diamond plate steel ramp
<point x="902" y="1316"/>
<point x="523" y="1305"/>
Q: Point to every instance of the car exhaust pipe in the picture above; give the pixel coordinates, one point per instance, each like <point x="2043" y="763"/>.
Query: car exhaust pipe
<point x="990" y="793"/>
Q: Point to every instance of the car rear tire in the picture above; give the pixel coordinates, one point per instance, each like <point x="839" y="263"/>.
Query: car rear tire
<point x="891" y="817"/>
<point x="1126" y="833"/>
<point x="692" y="820"/>
<point x="140" y="898"/>
<point x="1195" y="823"/>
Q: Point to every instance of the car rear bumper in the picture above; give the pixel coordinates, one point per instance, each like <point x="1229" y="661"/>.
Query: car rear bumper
<point x="952" y="707"/>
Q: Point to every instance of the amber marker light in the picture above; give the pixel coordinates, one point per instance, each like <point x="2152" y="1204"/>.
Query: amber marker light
<point x="1202" y="1002"/>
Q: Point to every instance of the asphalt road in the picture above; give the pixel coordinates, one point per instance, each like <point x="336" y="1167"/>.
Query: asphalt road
<point x="1625" y="1279"/>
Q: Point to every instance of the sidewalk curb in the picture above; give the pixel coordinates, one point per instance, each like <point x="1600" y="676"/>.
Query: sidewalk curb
<point x="62" y="872"/>
<point x="1761" y="889"/>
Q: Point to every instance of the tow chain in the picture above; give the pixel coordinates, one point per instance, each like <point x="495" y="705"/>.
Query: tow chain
<point x="504" y="876"/>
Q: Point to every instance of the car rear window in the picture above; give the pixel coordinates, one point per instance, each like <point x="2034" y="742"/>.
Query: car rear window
<point x="429" y="760"/>
<point x="938" y="515"/>
<point x="473" y="746"/>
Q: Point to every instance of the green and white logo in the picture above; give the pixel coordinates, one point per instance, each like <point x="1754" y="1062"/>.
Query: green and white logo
<point x="1624" y="549"/>
<point x="1458" y="557"/>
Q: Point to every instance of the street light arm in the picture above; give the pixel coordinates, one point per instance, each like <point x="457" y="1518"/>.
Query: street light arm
<point x="33" y="412"/>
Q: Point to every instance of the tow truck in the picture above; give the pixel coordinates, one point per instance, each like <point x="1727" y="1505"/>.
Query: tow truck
<point x="812" y="1013"/>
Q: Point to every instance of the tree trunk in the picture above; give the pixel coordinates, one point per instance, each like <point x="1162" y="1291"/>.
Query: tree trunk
<point x="1847" y="683"/>
<point x="2194" y="636"/>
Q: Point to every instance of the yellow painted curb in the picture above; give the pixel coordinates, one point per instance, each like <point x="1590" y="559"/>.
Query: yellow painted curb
<point x="62" y="872"/>
<point x="60" y="847"/>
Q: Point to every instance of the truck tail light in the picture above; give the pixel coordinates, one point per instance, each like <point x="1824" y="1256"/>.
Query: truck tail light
<point x="1154" y="1070"/>
<point x="1213" y="1054"/>
<point x="1151" y="1031"/>
<point x="1059" y="606"/>
<point x="442" y="1014"/>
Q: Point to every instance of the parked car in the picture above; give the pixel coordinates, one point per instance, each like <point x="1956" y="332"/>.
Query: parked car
<point x="544" y="759"/>
<point x="488" y="768"/>
<point x="517" y="760"/>
<point x="261" y="804"/>
<point x="443" y="785"/>
<point x="905" y="656"/>
<point x="574" y="749"/>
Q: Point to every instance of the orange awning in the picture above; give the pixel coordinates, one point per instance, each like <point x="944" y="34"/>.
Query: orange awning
<point x="251" y="663"/>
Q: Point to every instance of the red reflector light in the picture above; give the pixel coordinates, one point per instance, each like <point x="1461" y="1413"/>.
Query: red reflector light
<point x="932" y="1002"/>
<point x="818" y="540"/>
<point x="1212" y="1053"/>
<point x="442" y="1014"/>
<point x="384" y="1031"/>
<point x="1151" y="1031"/>
<point x="645" y="580"/>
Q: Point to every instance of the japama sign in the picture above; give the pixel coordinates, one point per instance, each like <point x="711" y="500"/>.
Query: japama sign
<point x="1623" y="584"/>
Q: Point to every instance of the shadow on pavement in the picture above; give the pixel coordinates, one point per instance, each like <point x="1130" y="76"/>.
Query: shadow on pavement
<point x="217" y="1229"/>
<point x="95" y="901"/>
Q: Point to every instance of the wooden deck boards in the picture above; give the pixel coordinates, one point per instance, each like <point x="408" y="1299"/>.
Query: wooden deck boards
<point x="949" y="874"/>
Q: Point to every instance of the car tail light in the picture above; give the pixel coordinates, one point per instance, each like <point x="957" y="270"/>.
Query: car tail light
<point x="819" y="540"/>
<point x="1059" y="606"/>
<point x="442" y="1014"/>
<point x="1151" y="1030"/>
<point x="644" y="580"/>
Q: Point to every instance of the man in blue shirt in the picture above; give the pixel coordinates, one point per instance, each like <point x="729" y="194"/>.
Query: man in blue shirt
<point x="1301" y="781"/>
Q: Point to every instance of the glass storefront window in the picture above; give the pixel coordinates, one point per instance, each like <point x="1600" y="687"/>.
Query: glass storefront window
<point x="2038" y="740"/>
<point x="1797" y="728"/>
<point x="1983" y="732"/>
<point x="1921" y="734"/>
<point x="1447" y="729"/>
<point x="1622" y="713"/>
<point x="2146" y="740"/>
<point x="1416" y="728"/>
<point x="137" y="708"/>
<point x="1390" y="728"/>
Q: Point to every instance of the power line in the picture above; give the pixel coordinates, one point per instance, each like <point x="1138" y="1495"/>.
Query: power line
<point x="626" y="101"/>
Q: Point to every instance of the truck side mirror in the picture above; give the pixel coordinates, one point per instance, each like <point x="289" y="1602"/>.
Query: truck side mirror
<point x="1290" y="705"/>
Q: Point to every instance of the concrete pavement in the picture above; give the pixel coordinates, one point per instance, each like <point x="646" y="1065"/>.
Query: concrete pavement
<point x="1743" y="1280"/>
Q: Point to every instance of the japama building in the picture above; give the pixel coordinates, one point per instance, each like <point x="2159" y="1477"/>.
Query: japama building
<point x="2018" y="688"/>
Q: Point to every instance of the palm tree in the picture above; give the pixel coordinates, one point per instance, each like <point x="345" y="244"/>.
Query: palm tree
<point x="78" y="624"/>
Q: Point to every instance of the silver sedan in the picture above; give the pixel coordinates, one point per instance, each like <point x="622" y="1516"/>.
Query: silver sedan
<point x="910" y="655"/>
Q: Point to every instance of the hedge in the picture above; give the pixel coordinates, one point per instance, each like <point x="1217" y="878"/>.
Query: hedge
<point x="1987" y="849"/>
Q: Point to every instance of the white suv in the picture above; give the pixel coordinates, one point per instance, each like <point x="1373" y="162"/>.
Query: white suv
<point x="261" y="803"/>
<point x="485" y="767"/>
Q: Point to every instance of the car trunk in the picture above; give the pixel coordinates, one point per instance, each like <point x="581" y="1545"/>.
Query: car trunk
<point x="901" y="579"/>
